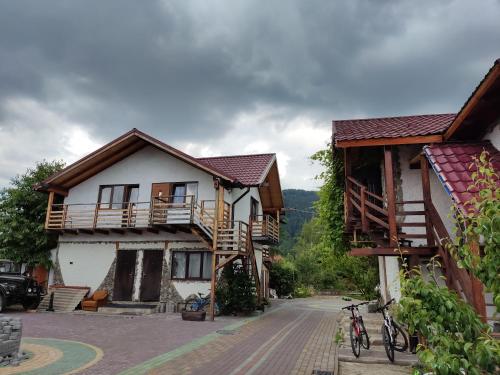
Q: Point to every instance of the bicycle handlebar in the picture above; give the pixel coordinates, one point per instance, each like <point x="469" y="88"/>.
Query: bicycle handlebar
<point x="355" y="306"/>
<point x="380" y="309"/>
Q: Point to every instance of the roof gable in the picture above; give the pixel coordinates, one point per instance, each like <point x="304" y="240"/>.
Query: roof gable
<point x="228" y="169"/>
<point x="480" y="110"/>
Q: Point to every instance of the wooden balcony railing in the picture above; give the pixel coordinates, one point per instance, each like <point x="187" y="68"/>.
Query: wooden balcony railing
<point x="266" y="255"/>
<point x="370" y="210"/>
<point x="233" y="238"/>
<point x="266" y="227"/>
<point x="165" y="210"/>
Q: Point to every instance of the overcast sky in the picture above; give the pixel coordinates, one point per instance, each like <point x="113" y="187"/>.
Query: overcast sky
<point x="229" y="77"/>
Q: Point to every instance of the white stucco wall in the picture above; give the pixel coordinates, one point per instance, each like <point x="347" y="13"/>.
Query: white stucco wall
<point x="242" y="208"/>
<point x="411" y="187"/>
<point x="85" y="264"/>
<point x="494" y="136"/>
<point x="143" y="168"/>
<point x="389" y="271"/>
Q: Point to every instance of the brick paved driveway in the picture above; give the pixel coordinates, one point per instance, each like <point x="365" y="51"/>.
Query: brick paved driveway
<point x="294" y="337"/>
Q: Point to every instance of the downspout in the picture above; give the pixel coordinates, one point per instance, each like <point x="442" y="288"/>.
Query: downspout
<point x="237" y="200"/>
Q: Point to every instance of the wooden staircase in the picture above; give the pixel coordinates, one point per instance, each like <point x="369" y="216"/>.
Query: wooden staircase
<point x="405" y="229"/>
<point x="234" y="239"/>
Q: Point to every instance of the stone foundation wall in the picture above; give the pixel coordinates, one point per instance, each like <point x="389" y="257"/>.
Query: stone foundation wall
<point x="10" y="340"/>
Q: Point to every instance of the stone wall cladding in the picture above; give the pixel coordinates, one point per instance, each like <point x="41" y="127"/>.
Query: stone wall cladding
<point x="108" y="282"/>
<point x="58" y="278"/>
<point x="10" y="340"/>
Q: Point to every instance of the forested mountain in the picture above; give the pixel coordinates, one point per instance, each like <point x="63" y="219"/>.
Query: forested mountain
<point x="299" y="209"/>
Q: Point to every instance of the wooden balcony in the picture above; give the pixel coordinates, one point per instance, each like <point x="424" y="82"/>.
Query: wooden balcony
<point x="161" y="211"/>
<point x="265" y="229"/>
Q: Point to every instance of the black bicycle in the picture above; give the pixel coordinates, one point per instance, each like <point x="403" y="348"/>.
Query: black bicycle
<point x="357" y="331"/>
<point x="393" y="336"/>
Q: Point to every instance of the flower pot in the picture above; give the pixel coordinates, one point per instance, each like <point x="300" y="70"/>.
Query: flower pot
<point x="197" y="316"/>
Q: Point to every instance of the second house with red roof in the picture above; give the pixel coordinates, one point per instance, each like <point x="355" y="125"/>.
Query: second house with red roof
<point x="148" y="223"/>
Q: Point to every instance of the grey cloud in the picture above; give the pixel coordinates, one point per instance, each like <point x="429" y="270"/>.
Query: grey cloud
<point x="185" y="70"/>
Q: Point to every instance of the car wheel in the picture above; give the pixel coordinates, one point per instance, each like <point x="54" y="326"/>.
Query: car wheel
<point x="31" y="303"/>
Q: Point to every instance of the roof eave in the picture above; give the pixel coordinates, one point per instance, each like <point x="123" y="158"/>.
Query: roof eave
<point x="422" y="139"/>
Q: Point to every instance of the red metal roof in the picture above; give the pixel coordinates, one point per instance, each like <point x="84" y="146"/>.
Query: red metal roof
<point x="453" y="163"/>
<point x="391" y="127"/>
<point x="247" y="169"/>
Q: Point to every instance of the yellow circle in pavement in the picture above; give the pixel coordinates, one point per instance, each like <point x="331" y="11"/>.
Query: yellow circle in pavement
<point x="42" y="355"/>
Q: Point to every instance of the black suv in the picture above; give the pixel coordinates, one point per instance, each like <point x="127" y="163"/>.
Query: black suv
<point x="16" y="288"/>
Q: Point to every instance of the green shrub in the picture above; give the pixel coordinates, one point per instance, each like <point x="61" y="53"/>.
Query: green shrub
<point x="235" y="290"/>
<point x="282" y="278"/>
<point x="303" y="291"/>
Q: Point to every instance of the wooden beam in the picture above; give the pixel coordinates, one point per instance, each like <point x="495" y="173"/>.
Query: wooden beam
<point x="70" y="231"/>
<point x="135" y="230"/>
<point x="166" y="228"/>
<point x="347" y="196"/>
<point x="101" y="165"/>
<point x="119" y="231"/>
<point x="391" y="196"/>
<point x="393" y="251"/>
<point x="219" y="193"/>
<point x="58" y="190"/>
<point x="473" y="101"/>
<point x="101" y="231"/>
<point x="477" y="287"/>
<point x="390" y="141"/>
<point x="50" y="202"/>
<point x="226" y="261"/>
<point x="86" y="231"/>
<point x="426" y="193"/>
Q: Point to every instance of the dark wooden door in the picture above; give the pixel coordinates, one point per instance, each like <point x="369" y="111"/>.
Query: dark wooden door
<point x="124" y="275"/>
<point x="152" y="264"/>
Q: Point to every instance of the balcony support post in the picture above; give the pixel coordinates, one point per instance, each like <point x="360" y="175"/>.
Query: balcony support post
<point x="347" y="196"/>
<point x="391" y="196"/>
<point x="50" y="202"/>
<point x="219" y="196"/>
<point x="478" y="302"/>
<point x="426" y="193"/>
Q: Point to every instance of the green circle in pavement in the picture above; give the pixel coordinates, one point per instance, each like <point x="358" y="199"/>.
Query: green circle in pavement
<point x="76" y="356"/>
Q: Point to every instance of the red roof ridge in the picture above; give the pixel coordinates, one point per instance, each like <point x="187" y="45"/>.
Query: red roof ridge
<point x="235" y="156"/>
<point x="396" y="117"/>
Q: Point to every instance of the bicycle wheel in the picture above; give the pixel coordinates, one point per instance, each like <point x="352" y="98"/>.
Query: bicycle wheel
<point x="400" y="338"/>
<point x="355" y="341"/>
<point x="389" y="347"/>
<point x="365" y="339"/>
<point x="191" y="304"/>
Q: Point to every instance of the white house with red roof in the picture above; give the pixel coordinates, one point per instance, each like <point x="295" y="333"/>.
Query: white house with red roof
<point x="149" y="223"/>
<point x="406" y="176"/>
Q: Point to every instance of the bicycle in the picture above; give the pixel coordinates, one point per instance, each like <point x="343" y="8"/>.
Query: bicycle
<point x="357" y="331"/>
<point x="393" y="336"/>
<point x="200" y="303"/>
